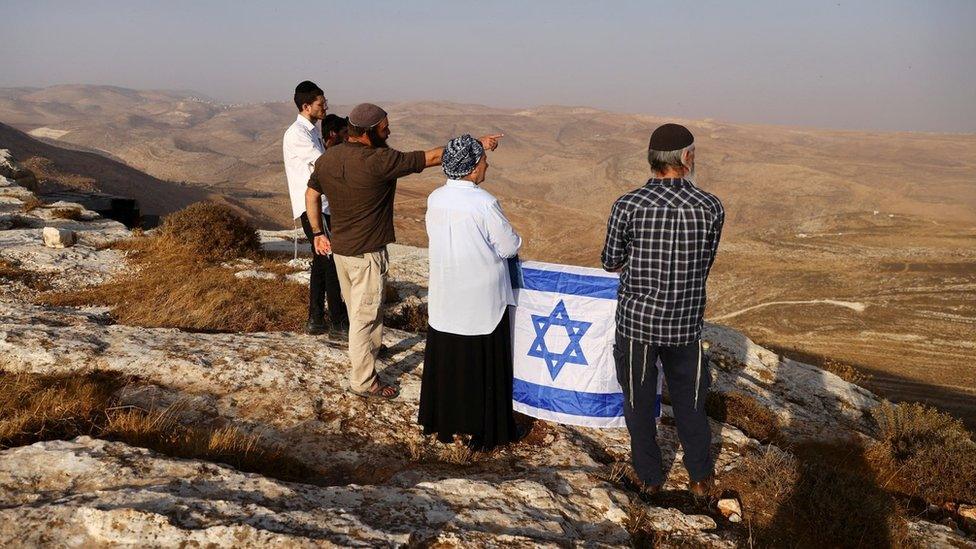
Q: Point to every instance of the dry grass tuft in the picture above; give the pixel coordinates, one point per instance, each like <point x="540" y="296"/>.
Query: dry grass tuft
<point x="36" y="407"/>
<point x="619" y="472"/>
<point x="925" y="453"/>
<point x="427" y="450"/>
<point x="31" y="204"/>
<point x="419" y="448"/>
<point x="211" y="232"/>
<point x="73" y="214"/>
<point x="824" y="495"/>
<point x="160" y="430"/>
<point x="170" y="288"/>
<point x="456" y="453"/>
<point x="845" y="371"/>
<point x="744" y="412"/>
<point x="765" y="481"/>
<point x="12" y="273"/>
<point x="411" y="317"/>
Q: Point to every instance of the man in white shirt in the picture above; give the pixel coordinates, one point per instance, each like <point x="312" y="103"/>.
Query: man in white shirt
<point x="301" y="146"/>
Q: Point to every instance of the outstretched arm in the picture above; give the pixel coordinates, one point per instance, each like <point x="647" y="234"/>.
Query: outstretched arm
<point x="433" y="156"/>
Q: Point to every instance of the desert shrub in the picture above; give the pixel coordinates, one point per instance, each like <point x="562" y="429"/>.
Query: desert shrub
<point x="210" y="231"/>
<point x="73" y="214"/>
<point x="36" y="407"/>
<point x="171" y="289"/>
<point x="925" y="452"/>
<point x="845" y="371"/>
<point x="823" y="495"/>
<point x="744" y="412"/>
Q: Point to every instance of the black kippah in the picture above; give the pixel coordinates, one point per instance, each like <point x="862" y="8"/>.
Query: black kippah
<point x="670" y="137"/>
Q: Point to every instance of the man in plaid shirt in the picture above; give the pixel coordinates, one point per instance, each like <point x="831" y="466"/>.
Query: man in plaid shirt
<point x="662" y="238"/>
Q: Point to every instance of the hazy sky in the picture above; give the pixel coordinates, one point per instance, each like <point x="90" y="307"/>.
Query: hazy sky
<point x="882" y="64"/>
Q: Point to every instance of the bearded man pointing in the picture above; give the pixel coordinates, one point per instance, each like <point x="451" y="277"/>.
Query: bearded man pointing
<point x="359" y="177"/>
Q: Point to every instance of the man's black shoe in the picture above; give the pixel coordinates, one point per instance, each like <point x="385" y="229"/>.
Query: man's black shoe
<point x="340" y="329"/>
<point x="316" y="327"/>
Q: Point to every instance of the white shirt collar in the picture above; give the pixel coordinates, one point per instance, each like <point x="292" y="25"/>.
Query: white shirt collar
<point x="305" y="122"/>
<point x="460" y="183"/>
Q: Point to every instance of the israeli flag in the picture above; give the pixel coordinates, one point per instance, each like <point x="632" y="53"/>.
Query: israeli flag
<point x="562" y="339"/>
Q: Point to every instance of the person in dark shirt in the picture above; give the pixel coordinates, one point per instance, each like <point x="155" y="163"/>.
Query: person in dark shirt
<point x="359" y="177"/>
<point x="335" y="130"/>
<point x="662" y="238"/>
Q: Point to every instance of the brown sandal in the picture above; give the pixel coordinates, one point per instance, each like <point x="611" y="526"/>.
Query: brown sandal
<point x="379" y="390"/>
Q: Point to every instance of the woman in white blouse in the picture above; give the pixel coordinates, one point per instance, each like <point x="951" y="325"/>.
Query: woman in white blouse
<point x="467" y="377"/>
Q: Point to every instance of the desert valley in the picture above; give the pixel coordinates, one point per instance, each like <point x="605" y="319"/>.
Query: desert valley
<point x="840" y="248"/>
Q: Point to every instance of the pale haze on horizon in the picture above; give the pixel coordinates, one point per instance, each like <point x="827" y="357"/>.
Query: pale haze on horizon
<point x="889" y="65"/>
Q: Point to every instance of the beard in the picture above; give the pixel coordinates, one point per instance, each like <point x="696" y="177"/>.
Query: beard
<point x="690" y="176"/>
<point x="375" y="139"/>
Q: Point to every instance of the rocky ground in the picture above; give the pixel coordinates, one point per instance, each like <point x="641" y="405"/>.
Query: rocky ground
<point x="385" y="484"/>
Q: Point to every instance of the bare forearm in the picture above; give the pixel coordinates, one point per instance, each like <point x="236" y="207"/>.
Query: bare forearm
<point x="433" y="157"/>
<point x="313" y="205"/>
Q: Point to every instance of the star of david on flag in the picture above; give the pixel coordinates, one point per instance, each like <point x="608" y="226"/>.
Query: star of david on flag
<point x="563" y="331"/>
<point x="575" y="329"/>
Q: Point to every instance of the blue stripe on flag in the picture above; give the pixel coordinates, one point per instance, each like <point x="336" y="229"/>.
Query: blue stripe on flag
<point x="604" y="287"/>
<point x="575" y="403"/>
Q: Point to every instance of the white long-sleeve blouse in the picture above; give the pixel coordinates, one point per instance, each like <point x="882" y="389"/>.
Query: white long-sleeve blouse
<point x="470" y="240"/>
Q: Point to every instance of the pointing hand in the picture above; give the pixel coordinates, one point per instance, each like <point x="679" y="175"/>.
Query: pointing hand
<point x="490" y="142"/>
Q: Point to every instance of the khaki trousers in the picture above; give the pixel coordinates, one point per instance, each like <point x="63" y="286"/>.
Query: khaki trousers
<point x="361" y="278"/>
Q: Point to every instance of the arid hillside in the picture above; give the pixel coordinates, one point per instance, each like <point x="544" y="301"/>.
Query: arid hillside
<point x="571" y="161"/>
<point x="882" y="223"/>
<point x="58" y="167"/>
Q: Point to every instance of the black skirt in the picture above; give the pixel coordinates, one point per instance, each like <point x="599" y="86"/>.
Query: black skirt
<point x="467" y="386"/>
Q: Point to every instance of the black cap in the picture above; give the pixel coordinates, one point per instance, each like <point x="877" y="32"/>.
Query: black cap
<point x="670" y="137"/>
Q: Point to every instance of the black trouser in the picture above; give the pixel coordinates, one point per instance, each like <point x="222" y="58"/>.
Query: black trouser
<point x="687" y="377"/>
<point x="324" y="282"/>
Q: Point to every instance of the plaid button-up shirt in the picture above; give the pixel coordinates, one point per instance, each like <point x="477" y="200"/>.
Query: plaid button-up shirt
<point x="664" y="236"/>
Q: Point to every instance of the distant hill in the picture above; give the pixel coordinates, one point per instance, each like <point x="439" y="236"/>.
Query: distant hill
<point x="90" y="171"/>
<point x="570" y="161"/>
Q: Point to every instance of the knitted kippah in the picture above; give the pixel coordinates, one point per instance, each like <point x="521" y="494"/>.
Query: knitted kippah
<point x="461" y="156"/>
<point x="366" y="115"/>
<point x="670" y="137"/>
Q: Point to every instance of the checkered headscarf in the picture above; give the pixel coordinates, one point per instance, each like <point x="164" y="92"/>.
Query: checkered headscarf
<point x="461" y="155"/>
